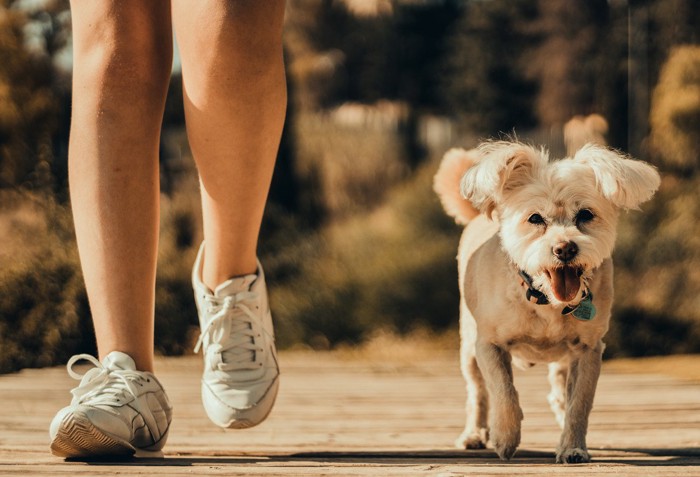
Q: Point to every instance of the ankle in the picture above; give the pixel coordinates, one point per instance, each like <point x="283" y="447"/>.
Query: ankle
<point x="143" y="360"/>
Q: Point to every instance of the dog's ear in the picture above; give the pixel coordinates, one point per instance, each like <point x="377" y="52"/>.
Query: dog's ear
<point x="502" y="167"/>
<point x="626" y="182"/>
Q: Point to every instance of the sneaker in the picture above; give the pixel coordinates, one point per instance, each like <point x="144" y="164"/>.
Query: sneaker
<point x="240" y="379"/>
<point x="116" y="410"/>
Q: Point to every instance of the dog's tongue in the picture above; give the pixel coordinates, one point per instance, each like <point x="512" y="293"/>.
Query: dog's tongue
<point x="565" y="283"/>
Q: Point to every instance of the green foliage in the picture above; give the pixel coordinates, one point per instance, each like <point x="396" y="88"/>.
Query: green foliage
<point x="44" y="315"/>
<point x="484" y="86"/>
<point x="396" y="55"/>
<point x="675" y="113"/>
<point x="658" y="251"/>
<point x="657" y="309"/>
<point x="29" y="98"/>
<point x="351" y="167"/>
<point x="564" y="31"/>
<point x="394" y="268"/>
<point x="354" y="239"/>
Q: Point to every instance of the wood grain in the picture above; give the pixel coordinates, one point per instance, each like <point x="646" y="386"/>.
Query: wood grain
<point x="358" y="416"/>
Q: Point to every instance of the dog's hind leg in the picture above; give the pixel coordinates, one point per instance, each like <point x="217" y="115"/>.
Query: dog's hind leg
<point x="558" y="373"/>
<point x="476" y="434"/>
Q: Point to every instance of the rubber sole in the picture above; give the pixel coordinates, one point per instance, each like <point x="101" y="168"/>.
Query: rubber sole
<point x="78" y="437"/>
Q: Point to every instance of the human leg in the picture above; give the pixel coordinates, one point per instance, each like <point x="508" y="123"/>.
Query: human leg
<point x="122" y="54"/>
<point x="122" y="58"/>
<point x="235" y="99"/>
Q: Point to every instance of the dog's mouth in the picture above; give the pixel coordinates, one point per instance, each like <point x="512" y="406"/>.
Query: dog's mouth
<point x="565" y="282"/>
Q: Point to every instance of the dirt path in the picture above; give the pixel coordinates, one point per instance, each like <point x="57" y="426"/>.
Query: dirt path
<point x="346" y="416"/>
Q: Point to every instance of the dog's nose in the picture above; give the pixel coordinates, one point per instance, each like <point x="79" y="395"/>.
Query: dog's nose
<point x="565" y="251"/>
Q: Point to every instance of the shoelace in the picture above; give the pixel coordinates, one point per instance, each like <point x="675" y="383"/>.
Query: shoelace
<point x="105" y="385"/>
<point x="238" y="350"/>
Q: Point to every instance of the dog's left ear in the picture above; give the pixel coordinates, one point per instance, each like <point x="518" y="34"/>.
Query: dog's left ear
<point x="626" y="182"/>
<point x="502" y="167"/>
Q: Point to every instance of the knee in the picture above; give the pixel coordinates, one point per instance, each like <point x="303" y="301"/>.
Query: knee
<point x="251" y="29"/>
<point x="125" y="45"/>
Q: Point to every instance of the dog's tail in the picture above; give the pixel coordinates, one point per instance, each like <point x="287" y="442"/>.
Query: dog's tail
<point x="580" y="130"/>
<point x="446" y="184"/>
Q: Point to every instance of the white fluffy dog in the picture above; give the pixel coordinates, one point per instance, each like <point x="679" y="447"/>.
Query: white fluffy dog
<point x="535" y="276"/>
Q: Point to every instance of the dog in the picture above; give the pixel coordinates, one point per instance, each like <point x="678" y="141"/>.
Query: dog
<point x="535" y="277"/>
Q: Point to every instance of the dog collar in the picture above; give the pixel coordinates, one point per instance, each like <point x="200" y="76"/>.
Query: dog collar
<point x="585" y="310"/>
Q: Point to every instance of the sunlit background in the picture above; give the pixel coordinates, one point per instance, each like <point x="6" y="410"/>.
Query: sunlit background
<point x="354" y="242"/>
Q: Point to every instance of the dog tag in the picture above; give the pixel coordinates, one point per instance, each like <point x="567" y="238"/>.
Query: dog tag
<point x="585" y="311"/>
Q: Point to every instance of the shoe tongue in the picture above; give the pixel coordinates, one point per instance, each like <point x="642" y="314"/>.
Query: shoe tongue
<point x="119" y="360"/>
<point x="235" y="285"/>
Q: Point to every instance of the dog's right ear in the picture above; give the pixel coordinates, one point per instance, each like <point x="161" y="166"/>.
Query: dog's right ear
<point x="502" y="167"/>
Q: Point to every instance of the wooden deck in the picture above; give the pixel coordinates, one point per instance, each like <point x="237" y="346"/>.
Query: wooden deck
<point x="347" y="416"/>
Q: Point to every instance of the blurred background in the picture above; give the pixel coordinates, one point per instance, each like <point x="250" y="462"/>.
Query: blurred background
<point x="355" y="244"/>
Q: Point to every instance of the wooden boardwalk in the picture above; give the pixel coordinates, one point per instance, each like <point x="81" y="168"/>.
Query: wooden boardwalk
<point x="337" y="415"/>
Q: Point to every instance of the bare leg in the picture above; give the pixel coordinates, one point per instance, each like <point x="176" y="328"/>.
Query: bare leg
<point x="122" y="60"/>
<point x="235" y="99"/>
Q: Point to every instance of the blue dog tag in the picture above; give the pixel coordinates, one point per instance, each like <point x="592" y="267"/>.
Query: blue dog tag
<point x="585" y="311"/>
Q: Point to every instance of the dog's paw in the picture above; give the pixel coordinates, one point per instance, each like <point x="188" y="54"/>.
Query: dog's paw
<point x="505" y="441"/>
<point x="574" y="455"/>
<point x="472" y="439"/>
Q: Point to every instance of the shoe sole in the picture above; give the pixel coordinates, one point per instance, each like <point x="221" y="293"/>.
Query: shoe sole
<point x="78" y="437"/>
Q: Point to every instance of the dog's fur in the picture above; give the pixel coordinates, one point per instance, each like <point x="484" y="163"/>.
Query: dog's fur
<point x="507" y="183"/>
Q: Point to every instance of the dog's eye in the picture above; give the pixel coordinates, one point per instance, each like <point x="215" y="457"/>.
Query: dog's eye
<point x="536" y="219"/>
<point x="584" y="216"/>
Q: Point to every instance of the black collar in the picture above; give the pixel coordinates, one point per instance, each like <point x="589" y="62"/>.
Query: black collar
<point x="534" y="295"/>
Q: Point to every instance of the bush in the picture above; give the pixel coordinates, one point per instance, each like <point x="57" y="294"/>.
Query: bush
<point x="656" y="279"/>
<point x="44" y="314"/>
<point x="394" y="268"/>
<point x="675" y="110"/>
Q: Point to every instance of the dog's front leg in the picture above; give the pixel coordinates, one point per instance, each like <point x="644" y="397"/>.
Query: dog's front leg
<point x="505" y="412"/>
<point x="580" y="391"/>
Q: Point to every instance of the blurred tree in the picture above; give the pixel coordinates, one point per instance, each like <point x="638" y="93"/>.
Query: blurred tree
<point x="658" y="25"/>
<point x="419" y="43"/>
<point x="566" y="61"/>
<point x="670" y="23"/>
<point x="29" y="90"/>
<point x="484" y="85"/>
<point x="393" y="54"/>
<point x="675" y="113"/>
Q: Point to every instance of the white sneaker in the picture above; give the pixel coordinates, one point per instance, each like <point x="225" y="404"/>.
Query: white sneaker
<point x="116" y="410"/>
<point x="240" y="379"/>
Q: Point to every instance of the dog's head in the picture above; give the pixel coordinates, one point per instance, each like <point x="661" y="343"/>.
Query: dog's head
<point x="558" y="218"/>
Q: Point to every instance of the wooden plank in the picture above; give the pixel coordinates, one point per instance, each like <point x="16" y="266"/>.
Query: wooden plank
<point x="358" y="416"/>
